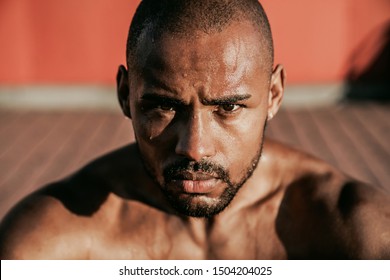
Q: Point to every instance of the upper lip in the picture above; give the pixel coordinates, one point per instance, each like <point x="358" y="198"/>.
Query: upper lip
<point x="192" y="176"/>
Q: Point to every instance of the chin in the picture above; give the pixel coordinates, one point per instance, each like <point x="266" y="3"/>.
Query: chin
<point x="199" y="206"/>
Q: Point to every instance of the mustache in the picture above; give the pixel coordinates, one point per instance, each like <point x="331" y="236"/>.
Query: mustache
<point x="176" y="169"/>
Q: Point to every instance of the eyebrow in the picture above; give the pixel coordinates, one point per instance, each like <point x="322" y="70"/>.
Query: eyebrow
<point x="226" y="99"/>
<point x="160" y="98"/>
<point x="164" y="99"/>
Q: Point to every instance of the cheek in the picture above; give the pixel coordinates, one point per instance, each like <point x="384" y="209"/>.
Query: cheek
<point x="150" y="124"/>
<point x="154" y="146"/>
<point x="243" y="131"/>
<point x="240" y="142"/>
<point x="153" y="124"/>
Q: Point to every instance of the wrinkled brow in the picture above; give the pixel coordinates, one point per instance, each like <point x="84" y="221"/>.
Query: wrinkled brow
<point x="229" y="99"/>
<point x="162" y="98"/>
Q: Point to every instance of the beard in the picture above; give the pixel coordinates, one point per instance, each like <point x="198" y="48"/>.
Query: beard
<point x="195" y="205"/>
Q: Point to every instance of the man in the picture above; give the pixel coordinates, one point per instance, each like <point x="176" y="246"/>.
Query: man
<point x="201" y="182"/>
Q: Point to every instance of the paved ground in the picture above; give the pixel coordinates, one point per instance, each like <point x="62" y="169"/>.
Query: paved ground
<point x="39" y="147"/>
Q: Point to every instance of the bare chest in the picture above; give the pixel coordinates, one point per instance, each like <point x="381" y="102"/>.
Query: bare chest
<point x="171" y="238"/>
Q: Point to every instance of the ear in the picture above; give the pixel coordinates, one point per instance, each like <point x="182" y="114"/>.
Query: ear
<point x="123" y="90"/>
<point x="276" y="90"/>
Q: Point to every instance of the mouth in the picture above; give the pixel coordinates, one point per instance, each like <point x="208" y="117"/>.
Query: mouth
<point x="194" y="182"/>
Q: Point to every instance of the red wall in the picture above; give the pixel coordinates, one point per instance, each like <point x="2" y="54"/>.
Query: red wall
<point x="83" y="41"/>
<point x="315" y="39"/>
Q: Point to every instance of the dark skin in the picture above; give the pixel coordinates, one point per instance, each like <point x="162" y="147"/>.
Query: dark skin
<point x="205" y="97"/>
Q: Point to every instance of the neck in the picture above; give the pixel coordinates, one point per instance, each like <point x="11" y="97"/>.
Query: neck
<point x="259" y="189"/>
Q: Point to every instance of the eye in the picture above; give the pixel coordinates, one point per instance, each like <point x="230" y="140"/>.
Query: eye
<point x="166" y="107"/>
<point x="229" y="108"/>
<point x="157" y="109"/>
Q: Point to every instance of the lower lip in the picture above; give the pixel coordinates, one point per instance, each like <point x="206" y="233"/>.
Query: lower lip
<point x="198" y="187"/>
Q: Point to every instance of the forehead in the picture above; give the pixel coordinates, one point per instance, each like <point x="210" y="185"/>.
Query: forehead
<point x="226" y="57"/>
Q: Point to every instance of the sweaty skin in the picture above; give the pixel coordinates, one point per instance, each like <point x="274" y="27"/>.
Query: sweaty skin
<point x="205" y="98"/>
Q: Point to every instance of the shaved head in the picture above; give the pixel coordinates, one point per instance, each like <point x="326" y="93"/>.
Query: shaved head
<point x="184" y="17"/>
<point x="200" y="82"/>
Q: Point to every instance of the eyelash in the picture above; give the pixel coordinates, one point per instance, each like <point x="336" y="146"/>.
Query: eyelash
<point x="167" y="108"/>
<point x="237" y="108"/>
<point x="171" y="107"/>
<point x="148" y="107"/>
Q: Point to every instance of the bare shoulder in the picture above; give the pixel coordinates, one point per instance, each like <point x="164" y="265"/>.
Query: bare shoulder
<point x="38" y="227"/>
<point x="60" y="220"/>
<point x="365" y="212"/>
<point x="326" y="214"/>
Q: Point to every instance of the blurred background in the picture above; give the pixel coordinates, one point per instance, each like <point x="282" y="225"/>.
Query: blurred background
<point x="58" y="106"/>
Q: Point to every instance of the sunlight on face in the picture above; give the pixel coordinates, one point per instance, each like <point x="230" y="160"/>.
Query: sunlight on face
<point x="199" y="110"/>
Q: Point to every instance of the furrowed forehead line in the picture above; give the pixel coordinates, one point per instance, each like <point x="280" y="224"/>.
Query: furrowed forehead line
<point x="157" y="88"/>
<point x="175" y="100"/>
<point x="228" y="99"/>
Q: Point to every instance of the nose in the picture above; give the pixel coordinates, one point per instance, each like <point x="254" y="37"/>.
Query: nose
<point x="195" y="138"/>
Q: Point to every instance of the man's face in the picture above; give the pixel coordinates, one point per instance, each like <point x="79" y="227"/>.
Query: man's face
<point x="199" y="108"/>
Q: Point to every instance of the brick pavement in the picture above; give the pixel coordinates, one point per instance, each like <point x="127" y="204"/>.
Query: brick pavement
<point x="37" y="147"/>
